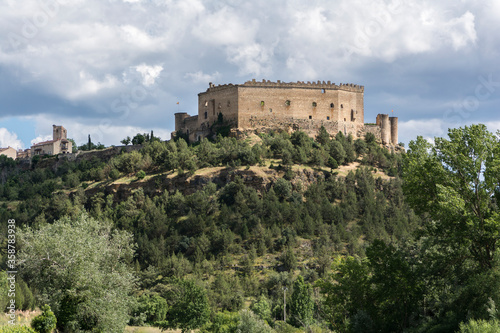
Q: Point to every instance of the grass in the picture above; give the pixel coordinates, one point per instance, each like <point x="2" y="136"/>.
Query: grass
<point x="22" y="317"/>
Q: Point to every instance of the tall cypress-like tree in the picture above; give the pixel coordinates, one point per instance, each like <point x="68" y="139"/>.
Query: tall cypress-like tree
<point x="302" y="306"/>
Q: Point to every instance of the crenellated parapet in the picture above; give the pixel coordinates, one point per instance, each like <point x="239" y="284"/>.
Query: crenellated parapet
<point x="303" y="84"/>
<point x="299" y="84"/>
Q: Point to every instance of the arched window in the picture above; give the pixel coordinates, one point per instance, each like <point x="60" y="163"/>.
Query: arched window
<point x="262" y="103"/>
<point x="310" y="117"/>
<point x="206" y="114"/>
<point x="332" y="105"/>
<point x="315" y="104"/>
<point x="287" y="102"/>
<point x="341" y="106"/>
<point x="323" y="91"/>
<point x="327" y="117"/>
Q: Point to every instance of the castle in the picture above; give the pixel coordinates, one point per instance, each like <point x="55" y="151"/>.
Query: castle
<point x="265" y="105"/>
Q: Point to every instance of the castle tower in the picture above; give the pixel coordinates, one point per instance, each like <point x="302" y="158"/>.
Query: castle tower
<point x="394" y="130"/>
<point x="179" y="120"/>
<point x="385" y="130"/>
<point x="59" y="133"/>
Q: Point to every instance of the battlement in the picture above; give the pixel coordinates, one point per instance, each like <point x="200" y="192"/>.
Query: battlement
<point x="299" y="84"/>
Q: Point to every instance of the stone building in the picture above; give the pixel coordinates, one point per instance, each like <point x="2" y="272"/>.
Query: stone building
<point x="58" y="145"/>
<point x="9" y="152"/>
<point x="265" y="105"/>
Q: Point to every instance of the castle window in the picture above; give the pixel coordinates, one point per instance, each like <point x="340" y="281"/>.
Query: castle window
<point x="315" y="104"/>
<point x="310" y="117"/>
<point x="287" y="102"/>
<point x="206" y="103"/>
<point x="332" y="105"/>
<point x="327" y="117"/>
<point x="341" y="106"/>
<point x="270" y="110"/>
<point x="262" y="103"/>
<point x="206" y="114"/>
<point x="228" y="103"/>
<point x="344" y="119"/>
<point x="323" y="91"/>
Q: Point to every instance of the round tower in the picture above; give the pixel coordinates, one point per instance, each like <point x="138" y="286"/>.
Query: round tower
<point x="179" y="120"/>
<point x="385" y="129"/>
<point x="394" y="130"/>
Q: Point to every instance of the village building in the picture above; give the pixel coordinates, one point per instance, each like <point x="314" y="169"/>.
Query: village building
<point x="58" y="145"/>
<point x="9" y="152"/>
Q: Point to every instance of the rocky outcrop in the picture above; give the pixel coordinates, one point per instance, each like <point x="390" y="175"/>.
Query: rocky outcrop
<point x="260" y="178"/>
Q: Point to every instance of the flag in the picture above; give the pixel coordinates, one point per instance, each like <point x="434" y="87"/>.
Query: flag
<point x="177" y="102"/>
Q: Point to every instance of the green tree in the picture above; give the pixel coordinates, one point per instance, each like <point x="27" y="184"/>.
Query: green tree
<point x="301" y="305"/>
<point x="456" y="182"/>
<point x="250" y="323"/>
<point x="45" y="322"/>
<point x="80" y="268"/>
<point x="189" y="309"/>
<point x="126" y="141"/>
<point x="262" y="308"/>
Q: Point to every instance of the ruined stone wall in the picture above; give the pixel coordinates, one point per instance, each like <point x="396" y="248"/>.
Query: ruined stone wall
<point x="374" y="129"/>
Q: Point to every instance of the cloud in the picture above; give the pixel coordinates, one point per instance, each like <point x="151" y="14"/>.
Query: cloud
<point x="8" y="139"/>
<point x="41" y="138"/>
<point x="129" y="61"/>
<point x="200" y="77"/>
<point x="149" y="73"/>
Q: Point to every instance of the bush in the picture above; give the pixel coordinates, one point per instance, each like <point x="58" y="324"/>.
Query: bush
<point x="141" y="174"/>
<point x="480" y="326"/>
<point x="114" y="174"/>
<point x="45" y="322"/>
<point x="250" y="323"/>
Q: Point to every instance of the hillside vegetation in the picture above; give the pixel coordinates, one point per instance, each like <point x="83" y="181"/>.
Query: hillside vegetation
<point x="217" y="235"/>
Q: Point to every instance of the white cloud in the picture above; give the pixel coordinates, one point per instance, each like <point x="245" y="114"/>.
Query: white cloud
<point x="149" y="73"/>
<point x="200" y="77"/>
<point x="42" y="138"/>
<point x="8" y="139"/>
<point x="427" y="128"/>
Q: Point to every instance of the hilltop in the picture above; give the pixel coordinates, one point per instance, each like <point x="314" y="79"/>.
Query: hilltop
<point x="254" y="212"/>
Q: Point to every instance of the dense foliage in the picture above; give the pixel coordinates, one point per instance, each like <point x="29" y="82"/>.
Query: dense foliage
<point x="346" y="246"/>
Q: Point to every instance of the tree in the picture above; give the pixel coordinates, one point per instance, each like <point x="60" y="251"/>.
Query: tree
<point x="139" y="139"/>
<point x="80" y="268"/>
<point x="126" y="141"/>
<point x="456" y="182"/>
<point x="45" y="322"/>
<point x="190" y="308"/>
<point x="301" y="306"/>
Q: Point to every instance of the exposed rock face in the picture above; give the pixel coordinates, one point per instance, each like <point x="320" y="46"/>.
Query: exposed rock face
<point x="259" y="178"/>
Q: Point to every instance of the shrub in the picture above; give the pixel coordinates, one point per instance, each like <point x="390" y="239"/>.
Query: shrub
<point x="114" y="174"/>
<point x="45" y="322"/>
<point x="480" y="326"/>
<point x="141" y="174"/>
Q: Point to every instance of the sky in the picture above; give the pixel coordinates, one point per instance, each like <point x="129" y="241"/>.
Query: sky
<point x="114" y="68"/>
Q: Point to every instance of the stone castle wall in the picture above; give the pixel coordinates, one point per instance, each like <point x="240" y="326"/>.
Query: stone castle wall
<point x="264" y="105"/>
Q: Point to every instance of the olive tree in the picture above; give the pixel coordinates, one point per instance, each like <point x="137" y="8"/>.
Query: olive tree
<point x="80" y="267"/>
